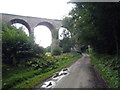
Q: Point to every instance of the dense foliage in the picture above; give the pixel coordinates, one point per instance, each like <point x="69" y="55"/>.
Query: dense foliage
<point x="35" y="70"/>
<point x="57" y="51"/>
<point x="48" y="49"/>
<point x="65" y="43"/>
<point x="25" y="62"/>
<point x="17" y="46"/>
<point x="109" y="68"/>
<point x="96" y="24"/>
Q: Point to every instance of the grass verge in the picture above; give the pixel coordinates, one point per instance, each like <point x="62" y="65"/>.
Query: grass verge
<point x="28" y="79"/>
<point x="107" y="69"/>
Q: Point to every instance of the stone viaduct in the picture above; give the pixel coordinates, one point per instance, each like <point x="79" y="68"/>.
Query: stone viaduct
<point x="32" y="22"/>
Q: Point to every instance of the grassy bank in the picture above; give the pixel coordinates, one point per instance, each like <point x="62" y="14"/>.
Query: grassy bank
<point x="108" y="66"/>
<point x="27" y="77"/>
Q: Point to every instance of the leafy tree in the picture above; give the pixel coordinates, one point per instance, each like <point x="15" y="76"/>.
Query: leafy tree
<point x="66" y="43"/>
<point x="17" y="46"/>
<point x="96" y="24"/>
<point x="56" y="51"/>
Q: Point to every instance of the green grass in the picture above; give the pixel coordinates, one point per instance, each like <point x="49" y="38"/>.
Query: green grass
<point x="28" y="78"/>
<point x="107" y="69"/>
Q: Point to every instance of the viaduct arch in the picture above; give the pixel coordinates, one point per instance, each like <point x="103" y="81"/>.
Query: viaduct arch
<point x="32" y="22"/>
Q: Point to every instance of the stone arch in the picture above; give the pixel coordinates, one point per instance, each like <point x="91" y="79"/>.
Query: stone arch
<point x="43" y="35"/>
<point x="21" y="22"/>
<point x="54" y="33"/>
<point x="51" y="27"/>
<point x="47" y="24"/>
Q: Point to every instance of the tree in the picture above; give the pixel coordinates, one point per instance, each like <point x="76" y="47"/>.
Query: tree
<point x="65" y="43"/>
<point x="96" y="24"/>
<point x="17" y="46"/>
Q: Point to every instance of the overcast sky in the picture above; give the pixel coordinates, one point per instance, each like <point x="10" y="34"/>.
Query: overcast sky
<point x="53" y="9"/>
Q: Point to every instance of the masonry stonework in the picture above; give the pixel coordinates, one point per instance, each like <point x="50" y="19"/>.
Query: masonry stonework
<point x="32" y="22"/>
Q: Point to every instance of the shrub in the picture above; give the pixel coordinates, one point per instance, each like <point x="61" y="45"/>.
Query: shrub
<point x="42" y="61"/>
<point x="17" y="46"/>
<point x="48" y="49"/>
<point x="56" y="51"/>
<point x="38" y="50"/>
<point x="66" y="45"/>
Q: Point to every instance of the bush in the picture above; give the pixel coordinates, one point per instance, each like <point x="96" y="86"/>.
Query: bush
<point x="56" y="51"/>
<point x="38" y="50"/>
<point x="66" y="45"/>
<point x="48" y="49"/>
<point x="17" y="46"/>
